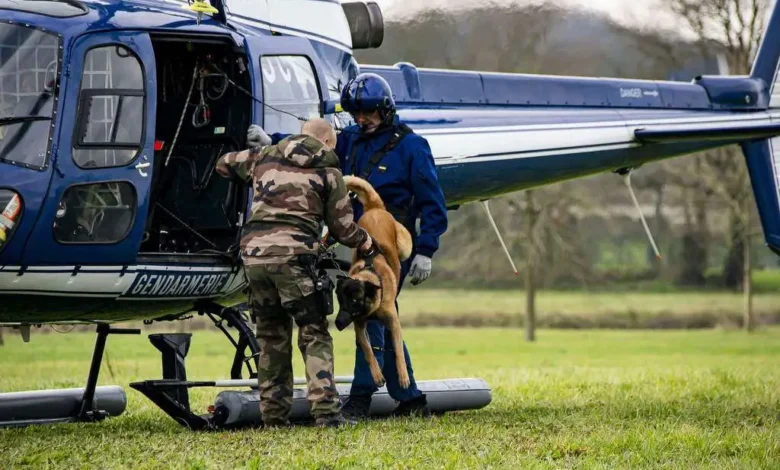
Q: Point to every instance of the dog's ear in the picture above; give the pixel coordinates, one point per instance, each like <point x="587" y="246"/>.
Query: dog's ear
<point x="370" y="290"/>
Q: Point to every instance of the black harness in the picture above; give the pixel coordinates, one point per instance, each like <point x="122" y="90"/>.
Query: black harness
<point x="345" y="317"/>
<point x="399" y="132"/>
<point x="368" y="260"/>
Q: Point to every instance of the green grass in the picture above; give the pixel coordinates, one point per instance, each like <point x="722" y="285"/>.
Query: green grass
<point x="766" y="280"/>
<point x="622" y="279"/>
<point x="595" y="399"/>
<point x="459" y="302"/>
<point x="445" y="307"/>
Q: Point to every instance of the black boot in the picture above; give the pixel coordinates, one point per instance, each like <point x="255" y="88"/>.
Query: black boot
<point x="414" y="407"/>
<point x="277" y="424"/>
<point x="356" y="407"/>
<point x="333" y="421"/>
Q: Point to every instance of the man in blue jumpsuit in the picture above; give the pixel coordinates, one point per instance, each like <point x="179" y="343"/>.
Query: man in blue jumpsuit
<point x="399" y="165"/>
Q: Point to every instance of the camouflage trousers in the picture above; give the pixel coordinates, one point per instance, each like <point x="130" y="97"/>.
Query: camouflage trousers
<point x="272" y="286"/>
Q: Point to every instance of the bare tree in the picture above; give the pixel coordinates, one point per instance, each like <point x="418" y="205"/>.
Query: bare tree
<point x="735" y="26"/>
<point x="534" y="249"/>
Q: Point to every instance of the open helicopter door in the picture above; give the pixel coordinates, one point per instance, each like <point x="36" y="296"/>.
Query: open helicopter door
<point x="98" y="199"/>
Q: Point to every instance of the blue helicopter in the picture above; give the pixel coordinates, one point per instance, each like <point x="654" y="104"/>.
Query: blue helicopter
<point x="113" y="114"/>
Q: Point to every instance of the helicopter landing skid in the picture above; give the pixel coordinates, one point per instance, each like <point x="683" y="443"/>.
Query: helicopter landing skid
<point x="90" y="404"/>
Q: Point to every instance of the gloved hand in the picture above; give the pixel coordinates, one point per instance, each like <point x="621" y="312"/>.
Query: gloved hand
<point x="256" y="136"/>
<point x="367" y="245"/>
<point x="421" y="269"/>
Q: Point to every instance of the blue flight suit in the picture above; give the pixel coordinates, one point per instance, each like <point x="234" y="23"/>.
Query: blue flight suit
<point x="406" y="181"/>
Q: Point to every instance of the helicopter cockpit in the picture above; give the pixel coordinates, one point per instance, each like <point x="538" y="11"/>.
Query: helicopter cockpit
<point x="29" y="69"/>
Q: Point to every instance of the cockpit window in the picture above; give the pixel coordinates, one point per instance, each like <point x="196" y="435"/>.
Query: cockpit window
<point x="56" y="8"/>
<point x="111" y="108"/>
<point x="29" y="72"/>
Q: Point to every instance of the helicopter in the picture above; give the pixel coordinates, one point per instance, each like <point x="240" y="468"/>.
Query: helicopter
<point x="114" y="113"/>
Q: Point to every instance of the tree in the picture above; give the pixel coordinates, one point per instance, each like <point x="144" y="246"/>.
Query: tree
<point x="735" y="27"/>
<point x="533" y="253"/>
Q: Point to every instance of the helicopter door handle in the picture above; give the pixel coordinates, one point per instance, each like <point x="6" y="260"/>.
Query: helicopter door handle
<point x="141" y="167"/>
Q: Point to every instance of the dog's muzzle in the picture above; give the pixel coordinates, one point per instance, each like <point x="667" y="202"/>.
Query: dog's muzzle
<point x="343" y="319"/>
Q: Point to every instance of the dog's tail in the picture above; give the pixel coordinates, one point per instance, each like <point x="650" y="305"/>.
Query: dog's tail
<point x="403" y="240"/>
<point x="366" y="193"/>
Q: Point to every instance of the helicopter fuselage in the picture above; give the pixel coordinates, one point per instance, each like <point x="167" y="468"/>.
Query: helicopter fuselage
<point x="113" y="115"/>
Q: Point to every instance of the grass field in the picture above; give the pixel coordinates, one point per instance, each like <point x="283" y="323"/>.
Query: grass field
<point x="452" y="307"/>
<point x="592" y="399"/>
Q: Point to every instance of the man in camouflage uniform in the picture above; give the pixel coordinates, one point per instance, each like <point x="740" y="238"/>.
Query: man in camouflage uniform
<point x="297" y="186"/>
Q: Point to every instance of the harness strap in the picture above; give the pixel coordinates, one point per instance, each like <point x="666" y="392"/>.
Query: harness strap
<point x="399" y="132"/>
<point x="369" y="266"/>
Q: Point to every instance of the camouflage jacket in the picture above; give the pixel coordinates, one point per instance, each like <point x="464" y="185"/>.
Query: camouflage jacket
<point x="297" y="187"/>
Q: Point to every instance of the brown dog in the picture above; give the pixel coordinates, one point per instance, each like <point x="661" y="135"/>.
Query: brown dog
<point x="370" y="290"/>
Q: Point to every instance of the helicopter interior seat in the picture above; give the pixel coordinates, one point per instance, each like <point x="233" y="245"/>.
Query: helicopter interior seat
<point x="115" y="224"/>
<point x="102" y="213"/>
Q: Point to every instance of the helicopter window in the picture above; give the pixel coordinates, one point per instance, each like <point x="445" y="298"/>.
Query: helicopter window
<point x="95" y="213"/>
<point x="111" y="108"/>
<point x="125" y="112"/>
<point x="289" y="86"/>
<point x="29" y="68"/>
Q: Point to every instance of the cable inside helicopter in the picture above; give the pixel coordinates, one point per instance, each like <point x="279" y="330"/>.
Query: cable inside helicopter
<point x="199" y="118"/>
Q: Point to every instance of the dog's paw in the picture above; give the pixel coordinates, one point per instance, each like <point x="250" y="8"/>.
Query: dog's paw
<point x="403" y="380"/>
<point x="379" y="379"/>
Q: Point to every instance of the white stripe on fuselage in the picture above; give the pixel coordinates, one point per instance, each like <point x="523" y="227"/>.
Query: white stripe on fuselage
<point x="38" y="280"/>
<point x="493" y="143"/>
<point x="762" y="116"/>
<point x="500" y="145"/>
<point x="114" y="281"/>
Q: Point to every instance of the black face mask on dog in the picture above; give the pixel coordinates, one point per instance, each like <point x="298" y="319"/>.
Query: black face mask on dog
<point x="355" y="299"/>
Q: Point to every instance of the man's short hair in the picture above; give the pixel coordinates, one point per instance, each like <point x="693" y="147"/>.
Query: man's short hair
<point x="320" y="129"/>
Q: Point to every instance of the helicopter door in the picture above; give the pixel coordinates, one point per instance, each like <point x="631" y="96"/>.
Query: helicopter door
<point x="98" y="199"/>
<point x="287" y="80"/>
